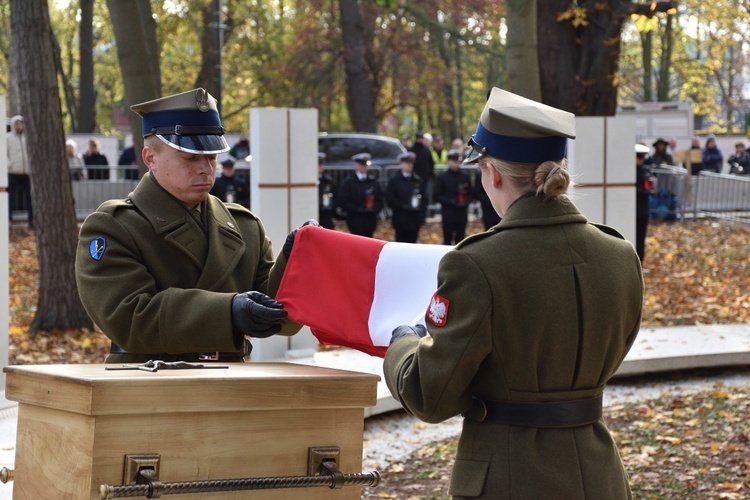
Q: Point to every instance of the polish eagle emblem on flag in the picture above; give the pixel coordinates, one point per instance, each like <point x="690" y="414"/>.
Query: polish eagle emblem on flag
<point x="437" y="313"/>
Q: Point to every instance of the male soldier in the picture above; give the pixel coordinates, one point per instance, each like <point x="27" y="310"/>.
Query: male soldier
<point x="406" y="195"/>
<point x="326" y="191"/>
<point x="453" y="192"/>
<point x="361" y="198"/>
<point x="172" y="273"/>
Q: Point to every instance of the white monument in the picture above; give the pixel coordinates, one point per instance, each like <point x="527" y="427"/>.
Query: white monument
<point x="284" y="194"/>
<point x="602" y="163"/>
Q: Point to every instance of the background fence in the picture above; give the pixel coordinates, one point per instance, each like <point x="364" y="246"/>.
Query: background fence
<point x="678" y="194"/>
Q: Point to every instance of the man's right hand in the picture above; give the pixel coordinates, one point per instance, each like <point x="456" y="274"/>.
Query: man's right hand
<point x="255" y="314"/>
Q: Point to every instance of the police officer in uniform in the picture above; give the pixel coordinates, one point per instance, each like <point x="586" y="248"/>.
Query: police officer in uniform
<point x="529" y="321"/>
<point x="644" y="188"/>
<point x="453" y="192"/>
<point x="229" y="188"/>
<point x="171" y="273"/>
<point x="406" y="195"/>
<point x="361" y="197"/>
<point x="326" y="192"/>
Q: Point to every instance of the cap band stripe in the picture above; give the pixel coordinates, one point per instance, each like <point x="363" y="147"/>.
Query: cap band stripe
<point x="521" y="149"/>
<point x="184" y="117"/>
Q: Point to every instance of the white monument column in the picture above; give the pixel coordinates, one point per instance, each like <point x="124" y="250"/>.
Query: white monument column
<point x="602" y="163"/>
<point x="4" y="249"/>
<point x="284" y="194"/>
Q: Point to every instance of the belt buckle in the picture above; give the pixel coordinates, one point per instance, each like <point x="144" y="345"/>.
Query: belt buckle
<point x="208" y="356"/>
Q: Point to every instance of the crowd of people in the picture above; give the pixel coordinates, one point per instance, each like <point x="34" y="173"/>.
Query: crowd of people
<point x="711" y="157"/>
<point x="429" y="176"/>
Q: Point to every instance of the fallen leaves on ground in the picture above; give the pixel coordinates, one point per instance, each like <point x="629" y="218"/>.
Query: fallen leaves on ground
<point x="689" y="447"/>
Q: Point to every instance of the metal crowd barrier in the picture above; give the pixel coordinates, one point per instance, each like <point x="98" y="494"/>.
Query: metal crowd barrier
<point x="723" y="196"/>
<point x="672" y="192"/>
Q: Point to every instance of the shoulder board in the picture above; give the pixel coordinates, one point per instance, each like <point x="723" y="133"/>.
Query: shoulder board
<point x="111" y="206"/>
<point x="476" y="237"/>
<point x="608" y="230"/>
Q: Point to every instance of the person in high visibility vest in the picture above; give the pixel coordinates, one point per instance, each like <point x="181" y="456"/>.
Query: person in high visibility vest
<point x="438" y="152"/>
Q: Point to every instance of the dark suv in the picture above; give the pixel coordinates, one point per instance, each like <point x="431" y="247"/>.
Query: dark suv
<point x="339" y="149"/>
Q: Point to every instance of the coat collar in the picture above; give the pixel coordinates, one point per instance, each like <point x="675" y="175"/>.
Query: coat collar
<point x="537" y="210"/>
<point x="534" y="210"/>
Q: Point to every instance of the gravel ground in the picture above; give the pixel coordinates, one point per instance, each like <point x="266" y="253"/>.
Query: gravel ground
<point x="392" y="437"/>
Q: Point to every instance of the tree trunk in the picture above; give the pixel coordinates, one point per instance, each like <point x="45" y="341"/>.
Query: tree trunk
<point x="138" y="54"/>
<point x="646" y="54"/>
<point x="665" y="65"/>
<point x="579" y="62"/>
<point x="87" y="93"/>
<point x="209" y="58"/>
<point x="522" y="50"/>
<point x="59" y="307"/>
<point x="359" y="95"/>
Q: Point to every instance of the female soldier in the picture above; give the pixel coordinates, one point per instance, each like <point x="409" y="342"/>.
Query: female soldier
<point x="529" y="322"/>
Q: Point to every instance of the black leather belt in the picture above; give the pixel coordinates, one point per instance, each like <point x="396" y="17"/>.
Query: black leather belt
<point x="236" y="356"/>
<point x="536" y="414"/>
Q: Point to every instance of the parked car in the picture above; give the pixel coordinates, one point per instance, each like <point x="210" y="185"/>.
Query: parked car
<point x="339" y="148"/>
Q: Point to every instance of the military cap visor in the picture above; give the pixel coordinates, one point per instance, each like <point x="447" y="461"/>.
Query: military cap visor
<point x="517" y="129"/>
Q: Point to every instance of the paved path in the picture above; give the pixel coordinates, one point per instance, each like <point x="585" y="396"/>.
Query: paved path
<point x="655" y="350"/>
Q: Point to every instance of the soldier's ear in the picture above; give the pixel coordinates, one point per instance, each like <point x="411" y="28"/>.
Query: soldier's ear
<point x="495" y="176"/>
<point x="149" y="156"/>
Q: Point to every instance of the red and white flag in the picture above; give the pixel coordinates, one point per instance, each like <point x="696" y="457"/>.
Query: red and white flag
<point x="353" y="291"/>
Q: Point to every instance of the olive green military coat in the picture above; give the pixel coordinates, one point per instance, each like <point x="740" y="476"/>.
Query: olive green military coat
<point x="151" y="279"/>
<point x="542" y="307"/>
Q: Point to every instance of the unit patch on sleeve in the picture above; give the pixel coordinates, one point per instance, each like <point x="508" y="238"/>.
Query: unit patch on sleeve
<point x="437" y="313"/>
<point x="97" y="247"/>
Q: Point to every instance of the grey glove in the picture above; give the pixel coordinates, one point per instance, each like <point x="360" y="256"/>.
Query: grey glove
<point x="289" y="243"/>
<point x="405" y="330"/>
<point x="256" y="314"/>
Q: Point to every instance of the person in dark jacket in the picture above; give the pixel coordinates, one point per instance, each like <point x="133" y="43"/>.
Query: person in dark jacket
<point x="172" y="273"/>
<point x="529" y="322"/>
<point x="228" y="188"/>
<point x="712" y="157"/>
<point x="326" y="192"/>
<point x="739" y="161"/>
<point x="406" y="195"/>
<point x="453" y="192"/>
<point x="94" y="157"/>
<point x="424" y="164"/>
<point x="644" y="188"/>
<point x="489" y="215"/>
<point x="660" y="155"/>
<point x="361" y="198"/>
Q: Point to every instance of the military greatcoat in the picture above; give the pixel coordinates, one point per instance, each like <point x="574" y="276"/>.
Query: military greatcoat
<point x="155" y="281"/>
<point x="542" y="307"/>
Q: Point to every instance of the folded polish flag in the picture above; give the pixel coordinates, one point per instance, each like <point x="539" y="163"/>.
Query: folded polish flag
<point x="353" y="291"/>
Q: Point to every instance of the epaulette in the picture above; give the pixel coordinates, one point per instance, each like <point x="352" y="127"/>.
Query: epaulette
<point x="608" y="230"/>
<point x="111" y="206"/>
<point x="476" y="237"/>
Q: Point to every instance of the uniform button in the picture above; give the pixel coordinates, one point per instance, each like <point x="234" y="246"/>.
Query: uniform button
<point x="230" y="225"/>
<point x="161" y="219"/>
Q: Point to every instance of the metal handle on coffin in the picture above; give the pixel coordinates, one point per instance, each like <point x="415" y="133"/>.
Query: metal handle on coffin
<point x="329" y="476"/>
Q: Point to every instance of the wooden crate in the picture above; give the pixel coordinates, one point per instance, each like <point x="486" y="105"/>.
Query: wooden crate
<point x="76" y="424"/>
